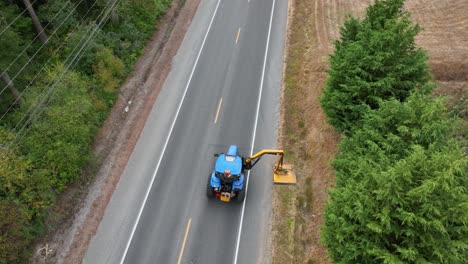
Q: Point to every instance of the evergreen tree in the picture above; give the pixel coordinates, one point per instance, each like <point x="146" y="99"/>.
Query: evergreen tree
<point x="61" y="14"/>
<point x="36" y="22"/>
<point x="401" y="189"/>
<point x="11" y="45"/>
<point x="375" y="59"/>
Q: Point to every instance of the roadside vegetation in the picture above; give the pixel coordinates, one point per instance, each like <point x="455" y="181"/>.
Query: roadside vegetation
<point x="401" y="177"/>
<point x="401" y="169"/>
<point x="309" y="143"/>
<point x="61" y="65"/>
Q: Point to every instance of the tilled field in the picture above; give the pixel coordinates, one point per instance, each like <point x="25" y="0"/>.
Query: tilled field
<point x="444" y="35"/>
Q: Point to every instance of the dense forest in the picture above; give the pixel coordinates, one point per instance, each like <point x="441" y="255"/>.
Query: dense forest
<point x="401" y="193"/>
<point x="61" y="65"/>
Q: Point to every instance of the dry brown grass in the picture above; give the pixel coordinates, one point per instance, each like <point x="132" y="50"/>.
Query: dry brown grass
<point x="309" y="142"/>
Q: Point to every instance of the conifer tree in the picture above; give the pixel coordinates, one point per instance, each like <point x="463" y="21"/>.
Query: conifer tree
<point x="375" y="59"/>
<point x="36" y="22"/>
<point x="11" y="45"/>
<point x="401" y="189"/>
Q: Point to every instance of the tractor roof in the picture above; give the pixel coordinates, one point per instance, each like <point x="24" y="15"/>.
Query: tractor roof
<point x="230" y="161"/>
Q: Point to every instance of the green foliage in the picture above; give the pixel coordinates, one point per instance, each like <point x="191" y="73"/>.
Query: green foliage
<point x="22" y="183"/>
<point x="62" y="10"/>
<point x="56" y="145"/>
<point x="108" y="70"/>
<point x="12" y="42"/>
<point x="59" y="139"/>
<point x="401" y="189"/>
<point x="10" y="46"/>
<point x="24" y="194"/>
<point x="74" y="42"/>
<point x="12" y="228"/>
<point x="13" y="171"/>
<point x="126" y="41"/>
<point x="395" y="126"/>
<point x="133" y="24"/>
<point x="375" y="59"/>
<point x="22" y="25"/>
<point x="8" y="42"/>
<point x="412" y="211"/>
<point x="14" y="37"/>
<point x="142" y="13"/>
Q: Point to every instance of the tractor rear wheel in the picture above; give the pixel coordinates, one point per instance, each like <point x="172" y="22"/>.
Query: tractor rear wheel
<point x="241" y="194"/>
<point x="209" y="190"/>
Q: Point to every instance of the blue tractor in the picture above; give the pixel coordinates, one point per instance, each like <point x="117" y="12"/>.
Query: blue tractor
<point x="228" y="181"/>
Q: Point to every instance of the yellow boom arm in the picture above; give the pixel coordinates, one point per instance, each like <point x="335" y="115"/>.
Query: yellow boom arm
<point x="282" y="173"/>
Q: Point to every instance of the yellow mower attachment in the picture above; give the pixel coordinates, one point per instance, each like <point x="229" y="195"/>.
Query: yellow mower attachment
<point x="282" y="173"/>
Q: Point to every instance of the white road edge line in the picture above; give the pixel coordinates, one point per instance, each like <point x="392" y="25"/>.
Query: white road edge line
<point x="254" y="131"/>
<point x="167" y="139"/>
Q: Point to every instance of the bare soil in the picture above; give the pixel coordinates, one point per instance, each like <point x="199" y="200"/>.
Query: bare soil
<point x="74" y="220"/>
<point x="309" y="141"/>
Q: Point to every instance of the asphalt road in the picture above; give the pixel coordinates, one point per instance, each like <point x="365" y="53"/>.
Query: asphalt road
<point x="223" y="89"/>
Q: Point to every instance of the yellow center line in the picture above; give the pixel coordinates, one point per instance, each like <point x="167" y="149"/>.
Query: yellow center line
<point x="185" y="240"/>
<point x="238" y="33"/>
<point x="219" y="109"/>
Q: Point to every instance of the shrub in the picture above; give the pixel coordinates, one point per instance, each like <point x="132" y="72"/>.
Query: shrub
<point x="58" y="140"/>
<point x="24" y="194"/>
<point x="142" y="13"/>
<point x="108" y="70"/>
<point x="12" y="229"/>
<point x="87" y="57"/>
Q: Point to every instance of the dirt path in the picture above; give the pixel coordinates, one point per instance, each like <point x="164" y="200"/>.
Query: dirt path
<point x="309" y="142"/>
<point x="67" y="243"/>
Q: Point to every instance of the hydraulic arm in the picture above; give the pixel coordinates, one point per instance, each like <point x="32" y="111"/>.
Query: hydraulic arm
<point x="282" y="173"/>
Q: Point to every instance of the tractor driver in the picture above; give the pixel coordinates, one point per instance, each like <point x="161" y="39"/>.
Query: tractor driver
<point x="228" y="178"/>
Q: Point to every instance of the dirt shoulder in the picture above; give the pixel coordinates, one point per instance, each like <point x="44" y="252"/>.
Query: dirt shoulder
<point x="74" y="220"/>
<point x="308" y="141"/>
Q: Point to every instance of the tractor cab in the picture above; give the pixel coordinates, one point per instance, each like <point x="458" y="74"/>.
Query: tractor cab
<point x="229" y="161"/>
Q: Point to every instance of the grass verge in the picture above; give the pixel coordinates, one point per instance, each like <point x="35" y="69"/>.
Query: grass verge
<point x="308" y="141"/>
